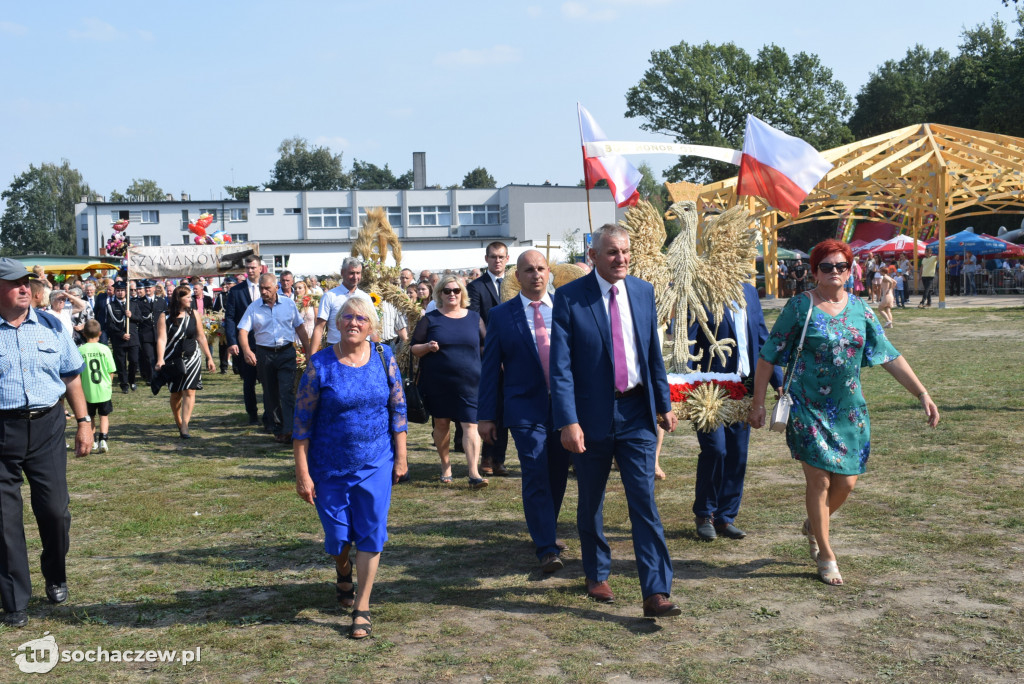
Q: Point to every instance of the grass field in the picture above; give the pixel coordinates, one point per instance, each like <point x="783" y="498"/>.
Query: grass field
<point x="205" y="544"/>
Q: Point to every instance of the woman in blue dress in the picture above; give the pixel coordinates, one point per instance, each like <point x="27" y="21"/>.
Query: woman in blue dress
<point x="829" y="430"/>
<point x="448" y="341"/>
<point x="349" y="446"/>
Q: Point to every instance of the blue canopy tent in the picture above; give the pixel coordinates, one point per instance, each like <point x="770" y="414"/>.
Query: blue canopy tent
<point x="967" y="242"/>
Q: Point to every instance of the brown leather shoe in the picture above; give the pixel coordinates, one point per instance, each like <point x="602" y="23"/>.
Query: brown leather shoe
<point x="560" y="545"/>
<point x="600" y="591"/>
<point x="486" y="466"/>
<point x="551" y="563"/>
<point x="658" y="605"/>
<point x="500" y="471"/>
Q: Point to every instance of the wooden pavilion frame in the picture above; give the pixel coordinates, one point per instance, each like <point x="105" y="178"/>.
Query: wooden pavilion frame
<point x="918" y="176"/>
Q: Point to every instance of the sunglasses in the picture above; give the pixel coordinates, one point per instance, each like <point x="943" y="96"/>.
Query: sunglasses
<point x="839" y="267"/>
<point x="348" y="318"/>
<point x="451" y="291"/>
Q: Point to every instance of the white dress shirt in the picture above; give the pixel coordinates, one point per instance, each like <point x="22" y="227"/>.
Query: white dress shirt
<point x="545" y="312"/>
<point x="330" y="306"/>
<point x="628" y="333"/>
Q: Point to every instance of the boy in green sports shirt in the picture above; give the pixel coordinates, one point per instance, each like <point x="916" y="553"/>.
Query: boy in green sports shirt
<point x="96" y="385"/>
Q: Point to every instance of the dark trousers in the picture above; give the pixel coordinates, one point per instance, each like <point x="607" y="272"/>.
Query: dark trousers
<point x="35" y="448"/>
<point x="277" y="373"/>
<point x="147" y="355"/>
<point x="126" y="361"/>
<point x="901" y="298"/>
<point x="721" y="466"/>
<point x="249" y="375"/>
<point x="632" y="444"/>
<point x="494" y="454"/>
<point x="222" y="351"/>
<point x="926" y="286"/>
<point x="545" y="466"/>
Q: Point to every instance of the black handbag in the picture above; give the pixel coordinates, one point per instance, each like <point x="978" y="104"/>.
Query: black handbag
<point x="416" y="411"/>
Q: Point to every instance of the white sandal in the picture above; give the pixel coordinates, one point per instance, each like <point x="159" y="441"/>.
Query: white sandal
<point x="829" y="573"/>
<point x="812" y="543"/>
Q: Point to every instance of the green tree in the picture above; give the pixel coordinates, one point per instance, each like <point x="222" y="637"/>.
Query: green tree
<point x="240" y="192"/>
<point x="369" y="176"/>
<point x="701" y="94"/>
<point x="898" y="94"/>
<point x="303" y="168"/>
<point x="404" y="182"/>
<point x="479" y="178"/>
<point x="40" y="214"/>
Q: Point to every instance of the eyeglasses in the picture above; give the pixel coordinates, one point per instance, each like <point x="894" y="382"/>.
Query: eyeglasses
<point x="348" y="318"/>
<point x="451" y="290"/>
<point x="839" y="267"/>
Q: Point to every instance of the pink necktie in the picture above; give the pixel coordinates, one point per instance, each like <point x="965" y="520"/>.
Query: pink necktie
<point x="543" y="343"/>
<point x="618" y="346"/>
<point x="199" y="304"/>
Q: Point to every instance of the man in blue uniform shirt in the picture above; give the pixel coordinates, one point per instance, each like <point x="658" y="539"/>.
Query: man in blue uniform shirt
<point x="39" y="366"/>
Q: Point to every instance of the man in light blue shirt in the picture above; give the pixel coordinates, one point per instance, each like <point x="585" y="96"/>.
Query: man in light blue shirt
<point x="39" y="366"/>
<point x="275" y="322"/>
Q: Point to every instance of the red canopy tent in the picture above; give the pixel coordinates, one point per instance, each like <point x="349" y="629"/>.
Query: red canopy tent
<point x="899" y="245"/>
<point x="1013" y="250"/>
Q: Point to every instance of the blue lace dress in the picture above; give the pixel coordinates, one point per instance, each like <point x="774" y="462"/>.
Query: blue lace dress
<point x="828" y="423"/>
<point x="348" y="415"/>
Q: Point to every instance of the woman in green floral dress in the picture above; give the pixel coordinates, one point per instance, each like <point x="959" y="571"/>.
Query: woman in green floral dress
<point x="829" y="430"/>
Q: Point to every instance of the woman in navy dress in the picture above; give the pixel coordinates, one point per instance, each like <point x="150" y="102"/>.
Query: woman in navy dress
<point x="349" y="447"/>
<point x="448" y="341"/>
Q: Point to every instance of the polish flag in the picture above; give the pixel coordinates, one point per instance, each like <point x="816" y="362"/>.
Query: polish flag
<point x="622" y="176"/>
<point x="778" y="167"/>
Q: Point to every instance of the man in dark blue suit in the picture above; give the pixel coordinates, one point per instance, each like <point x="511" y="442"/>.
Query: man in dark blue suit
<point x="722" y="462"/>
<point x="238" y="300"/>
<point x="518" y="341"/>
<point x="609" y="392"/>
<point x="484" y="295"/>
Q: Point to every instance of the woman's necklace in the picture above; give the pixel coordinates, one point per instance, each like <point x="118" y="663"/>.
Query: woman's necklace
<point x="358" y="361"/>
<point x="823" y="298"/>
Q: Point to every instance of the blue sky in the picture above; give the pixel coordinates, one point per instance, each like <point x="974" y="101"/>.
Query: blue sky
<point x="198" y="95"/>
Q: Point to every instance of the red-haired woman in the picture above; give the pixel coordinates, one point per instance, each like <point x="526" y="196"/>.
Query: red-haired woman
<point x="829" y="430"/>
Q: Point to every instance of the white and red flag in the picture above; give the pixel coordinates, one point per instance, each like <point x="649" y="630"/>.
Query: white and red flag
<point x="778" y="167"/>
<point x="622" y="177"/>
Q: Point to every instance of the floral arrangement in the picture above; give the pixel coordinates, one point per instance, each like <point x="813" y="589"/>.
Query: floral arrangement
<point x="709" y="400"/>
<point x="213" y="326"/>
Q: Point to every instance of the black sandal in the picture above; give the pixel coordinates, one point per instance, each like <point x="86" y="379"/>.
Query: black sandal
<point x="362" y="627"/>
<point x="345" y="594"/>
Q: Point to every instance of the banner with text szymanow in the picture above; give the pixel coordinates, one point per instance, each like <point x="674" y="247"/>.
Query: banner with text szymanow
<point x="177" y="261"/>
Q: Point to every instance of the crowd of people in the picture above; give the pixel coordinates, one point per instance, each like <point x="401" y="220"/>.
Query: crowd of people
<point x="574" y="375"/>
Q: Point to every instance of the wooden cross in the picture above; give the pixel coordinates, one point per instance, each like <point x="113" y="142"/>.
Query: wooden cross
<point x="547" y="248"/>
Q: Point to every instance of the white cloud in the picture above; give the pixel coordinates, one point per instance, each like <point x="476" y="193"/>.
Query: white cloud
<point x="498" y="54"/>
<point x="94" y="29"/>
<point x="12" y="29"/>
<point x="335" y="143"/>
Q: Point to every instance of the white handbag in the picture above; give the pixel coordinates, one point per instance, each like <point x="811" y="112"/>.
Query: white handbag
<point x="780" y="413"/>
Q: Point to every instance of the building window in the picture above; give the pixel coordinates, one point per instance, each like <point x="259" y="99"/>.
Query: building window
<point x="184" y="219"/>
<point x="504" y="213"/>
<point x="211" y="212"/>
<point x="293" y="210"/>
<point x="186" y="239"/>
<point x="479" y="215"/>
<point x="330" y="217"/>
<point x="430" y="216"/>
<point x="394" y="216"/>
<point x="150" y="240"/>
<point x="281" y="262"/>
<point x="265" y="211"/>
<point x="239" y="237"/>
<point x="150" y="216"/>
<point x="238" y="215"/>
<point x="85" y="245"/>
<point x="116" y="216"/>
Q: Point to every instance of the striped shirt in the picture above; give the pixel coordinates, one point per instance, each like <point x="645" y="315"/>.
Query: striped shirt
<point x="35" y="358"/>
<point x="391" y="321"/>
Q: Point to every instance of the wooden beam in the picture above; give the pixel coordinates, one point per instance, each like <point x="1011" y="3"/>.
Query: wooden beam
<point x="923" y="159"/>
<point x="893" y="157"/>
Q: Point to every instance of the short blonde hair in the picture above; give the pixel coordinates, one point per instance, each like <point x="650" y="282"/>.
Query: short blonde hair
<point x="361" y="307"/>
<point x="451" y="278"/>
